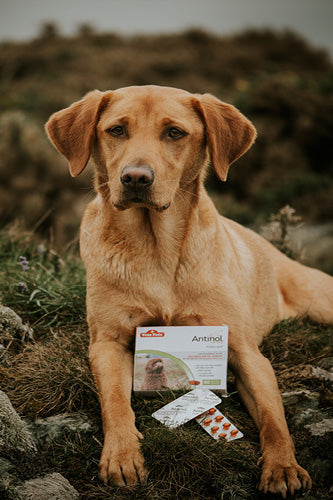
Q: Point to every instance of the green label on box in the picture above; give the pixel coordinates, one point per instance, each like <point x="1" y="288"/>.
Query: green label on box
<point x="216" y="381"/>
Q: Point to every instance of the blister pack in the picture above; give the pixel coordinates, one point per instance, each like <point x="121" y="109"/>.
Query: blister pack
<point x="186" y="407"/>
<point x="218" y="426"/>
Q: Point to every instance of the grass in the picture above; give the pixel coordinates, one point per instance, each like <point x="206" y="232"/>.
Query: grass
<point x="51" y="375"/>
<point x="50" y="291"/>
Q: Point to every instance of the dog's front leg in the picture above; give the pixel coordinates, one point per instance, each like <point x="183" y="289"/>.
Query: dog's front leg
<point x="112" y="365"/>
<point x="258" y="388"/>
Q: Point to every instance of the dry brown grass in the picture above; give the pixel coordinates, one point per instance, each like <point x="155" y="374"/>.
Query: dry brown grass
<point x="51" y="377"/>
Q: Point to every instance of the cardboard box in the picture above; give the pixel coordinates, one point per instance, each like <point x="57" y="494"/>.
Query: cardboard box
<point x="180" y="357"/>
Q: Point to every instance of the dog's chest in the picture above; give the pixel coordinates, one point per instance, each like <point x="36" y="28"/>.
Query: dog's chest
<point x="174" y="296"/>
<point x="156" y="284"/>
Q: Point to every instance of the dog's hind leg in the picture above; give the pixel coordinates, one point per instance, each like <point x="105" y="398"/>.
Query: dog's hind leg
<point x="305" y="291"/>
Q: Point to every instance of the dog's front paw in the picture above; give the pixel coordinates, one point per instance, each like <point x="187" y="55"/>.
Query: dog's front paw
<point x="277" y="478"/>
<point x="122" y="463"/>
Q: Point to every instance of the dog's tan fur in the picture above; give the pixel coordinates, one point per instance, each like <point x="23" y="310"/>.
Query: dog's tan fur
<point x="168" y="258"/>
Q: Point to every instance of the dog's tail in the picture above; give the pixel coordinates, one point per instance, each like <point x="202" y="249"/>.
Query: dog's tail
<point x="304" y="291"/>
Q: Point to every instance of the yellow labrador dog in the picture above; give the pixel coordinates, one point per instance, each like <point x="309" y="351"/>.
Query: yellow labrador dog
<point x="157" y="253"/>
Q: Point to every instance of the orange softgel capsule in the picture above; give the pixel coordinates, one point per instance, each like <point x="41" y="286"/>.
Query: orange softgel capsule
<point x="218" y="426"/>
<point x="194" y="382"/>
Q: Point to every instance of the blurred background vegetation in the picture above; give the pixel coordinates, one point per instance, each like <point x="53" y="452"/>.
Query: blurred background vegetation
<point x="277" y="79"/>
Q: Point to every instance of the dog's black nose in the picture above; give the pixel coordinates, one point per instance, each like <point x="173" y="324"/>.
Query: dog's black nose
<point x="137" y="177"/>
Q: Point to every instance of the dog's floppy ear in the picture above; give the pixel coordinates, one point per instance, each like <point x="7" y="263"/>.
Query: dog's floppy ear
<point x="72" y="130"/>
<point x="229" y="133"/>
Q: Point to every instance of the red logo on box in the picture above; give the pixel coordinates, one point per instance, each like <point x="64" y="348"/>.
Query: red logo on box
<point x="152" y="333"/>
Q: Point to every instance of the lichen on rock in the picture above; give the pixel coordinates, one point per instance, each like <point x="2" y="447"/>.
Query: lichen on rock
<point x="50" y="487"/>
<point x="12" y="330"/>
<point x="14" y="432"/>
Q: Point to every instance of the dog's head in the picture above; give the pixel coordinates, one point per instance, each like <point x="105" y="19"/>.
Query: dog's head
<point x="148" y="141"/>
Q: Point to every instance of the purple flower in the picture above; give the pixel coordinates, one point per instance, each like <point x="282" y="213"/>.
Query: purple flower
<point x="23" y="287"/>
<point x="24" y="263"/>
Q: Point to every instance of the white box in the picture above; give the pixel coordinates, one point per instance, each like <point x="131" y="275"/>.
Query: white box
<point x="180" y="357"/>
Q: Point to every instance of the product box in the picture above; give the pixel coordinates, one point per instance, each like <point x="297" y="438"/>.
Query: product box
<point x="180" y="357"/>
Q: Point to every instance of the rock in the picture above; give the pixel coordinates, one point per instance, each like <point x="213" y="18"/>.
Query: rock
<point x="322" y="428"/>
<point x="12" y="325"/>
<point x="14" y="432"/>
<point x="302" y="398"/>
<point x="18" y="438"/>
<point x="307" y="404"/>
<point x="50" y="487"/>
<point x="48" y="429"/>
<point x="7" y="477"/>
<point x="321" y="373"/>
<point x="307" y="416"/>
<point x="12" y="331"/>
<point x="317" y="240"/>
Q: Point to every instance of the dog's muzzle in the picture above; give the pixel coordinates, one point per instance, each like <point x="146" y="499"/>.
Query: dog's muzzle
<point x="137" y="179"/>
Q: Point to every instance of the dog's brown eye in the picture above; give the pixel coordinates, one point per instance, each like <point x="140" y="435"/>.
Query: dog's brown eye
<point x="175" y="133"/>
<point x="116" y="131"/>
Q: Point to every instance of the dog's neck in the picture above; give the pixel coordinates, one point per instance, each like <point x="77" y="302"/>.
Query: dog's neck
<point x="163" y="228"/>
<point x="165" y="232"/>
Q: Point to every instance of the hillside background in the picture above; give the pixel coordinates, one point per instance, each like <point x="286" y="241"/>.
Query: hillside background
<point x="277" y="79"/>
<point x="284" y="86"/>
